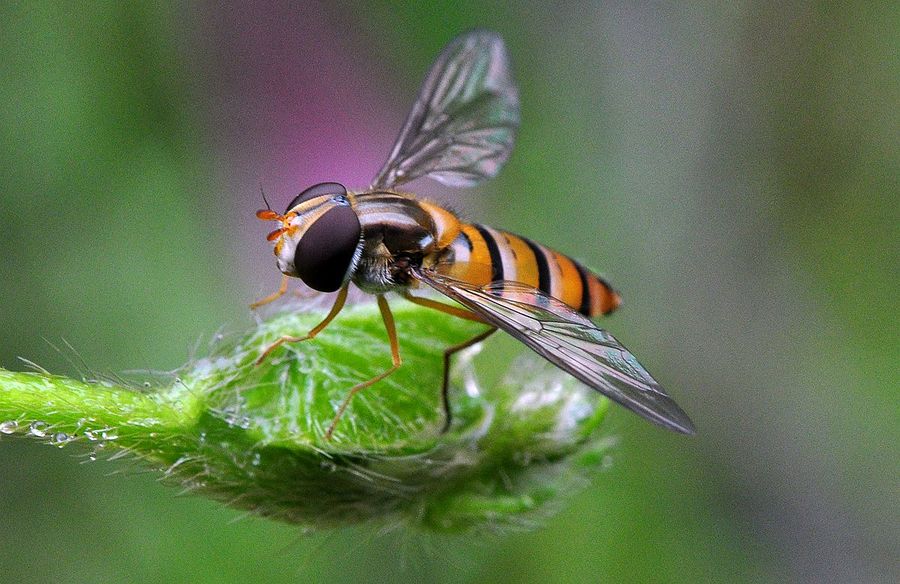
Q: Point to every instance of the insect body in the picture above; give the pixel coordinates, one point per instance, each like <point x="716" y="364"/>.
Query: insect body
<point x="460" y="131"/>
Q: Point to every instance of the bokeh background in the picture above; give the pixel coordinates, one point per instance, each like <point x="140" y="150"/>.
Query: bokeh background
<point x="732" y="167"/>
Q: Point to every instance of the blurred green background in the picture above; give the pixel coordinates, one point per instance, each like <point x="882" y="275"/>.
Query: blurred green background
<point x="732" y="168"/>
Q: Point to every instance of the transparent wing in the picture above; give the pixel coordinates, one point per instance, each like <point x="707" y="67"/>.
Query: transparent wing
<point x="462" y="126"/>
<point x="568" y="340"/>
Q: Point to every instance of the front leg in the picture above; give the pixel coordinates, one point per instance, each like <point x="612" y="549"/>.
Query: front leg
<point x="335" y="309"/>
<point x="274" y="295"/>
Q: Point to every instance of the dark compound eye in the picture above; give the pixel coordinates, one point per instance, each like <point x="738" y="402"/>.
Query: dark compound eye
<point x="326" y="250"/>
<point x="326" y="188"/>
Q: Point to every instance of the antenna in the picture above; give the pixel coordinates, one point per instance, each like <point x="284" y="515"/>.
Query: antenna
<point x="265" y="200"/>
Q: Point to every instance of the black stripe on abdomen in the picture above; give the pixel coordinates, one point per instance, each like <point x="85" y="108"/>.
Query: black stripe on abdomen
<point x="543" y="268"/>
<point x="583" y="275"/>
<point x="494" y="251"/>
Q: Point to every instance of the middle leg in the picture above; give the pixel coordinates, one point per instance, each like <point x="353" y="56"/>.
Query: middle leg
<point x="396" y="361"/>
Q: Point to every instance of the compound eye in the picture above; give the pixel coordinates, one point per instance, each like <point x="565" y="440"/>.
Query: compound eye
<point x="326" y="250"/>
<point x="326" y="188"/>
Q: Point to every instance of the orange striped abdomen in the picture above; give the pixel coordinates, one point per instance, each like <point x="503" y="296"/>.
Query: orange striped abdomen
<point x="515" y="258"/>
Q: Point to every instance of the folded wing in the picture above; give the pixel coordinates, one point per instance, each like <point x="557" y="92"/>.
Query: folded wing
<point x="570" y="341"/>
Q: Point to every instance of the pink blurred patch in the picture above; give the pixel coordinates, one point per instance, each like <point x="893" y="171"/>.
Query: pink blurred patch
<point x="294" y="98"/>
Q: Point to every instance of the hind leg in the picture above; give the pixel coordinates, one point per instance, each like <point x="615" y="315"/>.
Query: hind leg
<point x="445" y="388"/>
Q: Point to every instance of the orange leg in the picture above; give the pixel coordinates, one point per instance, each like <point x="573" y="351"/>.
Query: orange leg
<point x="453" y="310"/>
<point x="388" y="319"/>
<point x="274" y="295"/>
<point x="461" y="313"/>
<point x="335" y="309"/>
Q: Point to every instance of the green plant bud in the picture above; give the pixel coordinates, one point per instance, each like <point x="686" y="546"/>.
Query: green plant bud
<point x="524" y="434"/>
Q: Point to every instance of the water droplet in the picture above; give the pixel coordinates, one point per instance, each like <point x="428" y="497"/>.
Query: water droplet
<point x="109" y="435"/>
<point x="238" y="421"/>
<point x="328" y="465"/>
<point x="257" y="458"/>
<point x="9" y="426"/>
<point x="92" y="456"/>
<point x="38" y="429"/>
<point x="147" y="384"/>
<point x="90" y="435"/>
<point x="60" y="439"/>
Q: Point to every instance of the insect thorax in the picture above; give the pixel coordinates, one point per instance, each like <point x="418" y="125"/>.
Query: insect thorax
<point x="398" y="233"/>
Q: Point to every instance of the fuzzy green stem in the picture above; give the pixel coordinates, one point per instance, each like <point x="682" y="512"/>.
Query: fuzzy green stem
<point x="253" y="437"/>
<point x="69" y="406"/>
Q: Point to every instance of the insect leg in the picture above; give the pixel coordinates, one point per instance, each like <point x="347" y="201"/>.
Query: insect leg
<point x="274" y="295"/>
<point x="388" y="319"/>
<point x="445" y="388"/>
<point x="335" y="309"/>
<point x="453" y="310"/>
<point x="461" y="313"/>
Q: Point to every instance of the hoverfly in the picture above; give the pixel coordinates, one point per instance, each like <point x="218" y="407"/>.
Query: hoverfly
<point x="460" y="132"/>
